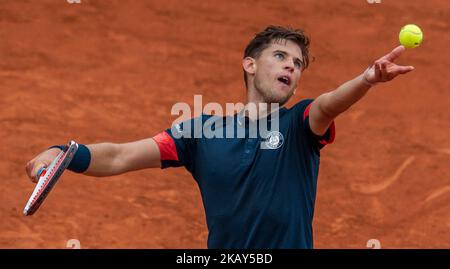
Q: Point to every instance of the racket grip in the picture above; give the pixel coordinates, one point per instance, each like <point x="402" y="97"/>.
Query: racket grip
<point x="41" y="172"/>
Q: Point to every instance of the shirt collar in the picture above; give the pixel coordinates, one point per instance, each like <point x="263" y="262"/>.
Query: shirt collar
<point x="242" y="116"/>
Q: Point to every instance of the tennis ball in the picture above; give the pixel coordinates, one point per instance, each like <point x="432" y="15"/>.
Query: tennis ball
<point x="410" y="36"/>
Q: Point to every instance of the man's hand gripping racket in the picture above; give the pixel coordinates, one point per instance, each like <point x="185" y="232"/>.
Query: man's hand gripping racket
<point x="48" y="176"/>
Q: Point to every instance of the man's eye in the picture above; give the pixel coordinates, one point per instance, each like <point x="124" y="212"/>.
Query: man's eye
<point x="279" y="56"/>
<point x="298" y="65"/>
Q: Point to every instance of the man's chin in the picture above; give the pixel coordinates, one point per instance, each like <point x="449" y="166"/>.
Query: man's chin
<point x="276" y="96"/>
<point x="281" y="100"/>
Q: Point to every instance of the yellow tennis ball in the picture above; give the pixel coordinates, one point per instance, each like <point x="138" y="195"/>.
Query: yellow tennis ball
<point x="410" y="36"/>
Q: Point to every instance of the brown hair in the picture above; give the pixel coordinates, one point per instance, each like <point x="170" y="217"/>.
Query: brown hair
<point x="262" y="40"/>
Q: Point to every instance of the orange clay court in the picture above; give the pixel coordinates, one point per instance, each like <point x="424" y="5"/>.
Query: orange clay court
<point x="111" y="70"/>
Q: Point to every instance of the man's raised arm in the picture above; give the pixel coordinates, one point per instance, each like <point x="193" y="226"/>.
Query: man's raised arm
<point x="325" y="108"/>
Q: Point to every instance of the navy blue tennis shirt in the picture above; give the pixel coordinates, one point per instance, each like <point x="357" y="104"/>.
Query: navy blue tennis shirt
<point x="258" y="192"/>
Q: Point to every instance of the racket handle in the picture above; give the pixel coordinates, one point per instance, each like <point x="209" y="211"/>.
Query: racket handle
<point x="41" y="172"/>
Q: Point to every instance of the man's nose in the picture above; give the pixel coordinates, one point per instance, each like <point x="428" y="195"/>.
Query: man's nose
<point x="289" y="66"/>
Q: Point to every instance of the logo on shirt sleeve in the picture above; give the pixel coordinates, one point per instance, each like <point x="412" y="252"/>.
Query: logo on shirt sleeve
<point x="273" y="140"/>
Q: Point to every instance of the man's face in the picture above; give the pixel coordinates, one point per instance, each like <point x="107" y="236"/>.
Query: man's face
<point x="277" y="71"/>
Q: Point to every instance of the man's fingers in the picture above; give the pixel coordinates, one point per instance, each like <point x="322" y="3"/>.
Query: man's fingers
<point x="394" y="54"/>
<point x="35" y="170"/>
<point x="404" y="69"/>
<point x="383" y="71"/>
<point x="377" y="70"/>
<point x="29" y="168"/>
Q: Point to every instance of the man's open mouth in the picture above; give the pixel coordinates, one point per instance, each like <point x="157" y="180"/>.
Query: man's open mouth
<point x="285" y="80"/>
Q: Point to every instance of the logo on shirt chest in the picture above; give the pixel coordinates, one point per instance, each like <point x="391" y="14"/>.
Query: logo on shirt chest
<point x="273" y="140"/>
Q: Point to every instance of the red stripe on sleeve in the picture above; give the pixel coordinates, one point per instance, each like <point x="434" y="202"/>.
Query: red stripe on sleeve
<point x="332" y="128"/>
<point x="166" y="146"/>
<point x="306" y="112"/>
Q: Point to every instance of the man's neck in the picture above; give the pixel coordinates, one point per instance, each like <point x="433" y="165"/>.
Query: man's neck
<point x="256" y="107"/>
<point x="255" y="111"/>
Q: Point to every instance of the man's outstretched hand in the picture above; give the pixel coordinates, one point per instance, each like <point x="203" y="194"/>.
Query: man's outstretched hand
<point x="384" y="69"/>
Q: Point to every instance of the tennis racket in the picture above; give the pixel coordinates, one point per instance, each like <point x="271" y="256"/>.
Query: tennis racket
<point x="48" y="176"/>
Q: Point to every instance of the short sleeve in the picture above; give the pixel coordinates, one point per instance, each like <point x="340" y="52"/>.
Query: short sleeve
<point x="177" y="145"/>
<point x="302" y="114"/>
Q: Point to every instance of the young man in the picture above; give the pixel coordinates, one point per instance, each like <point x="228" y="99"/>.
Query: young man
<point x="258" y="192"/>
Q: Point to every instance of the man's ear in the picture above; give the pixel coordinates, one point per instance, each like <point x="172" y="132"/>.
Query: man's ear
<point x="249" y="65"/>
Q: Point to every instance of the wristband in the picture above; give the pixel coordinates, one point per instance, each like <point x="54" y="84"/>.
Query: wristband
<point x="81" y="159"/>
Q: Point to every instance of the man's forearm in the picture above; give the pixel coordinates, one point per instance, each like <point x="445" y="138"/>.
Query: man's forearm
<point x="329" y="105"/>
<point x="103" y="156"/>
<point x="335" y="102"/>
